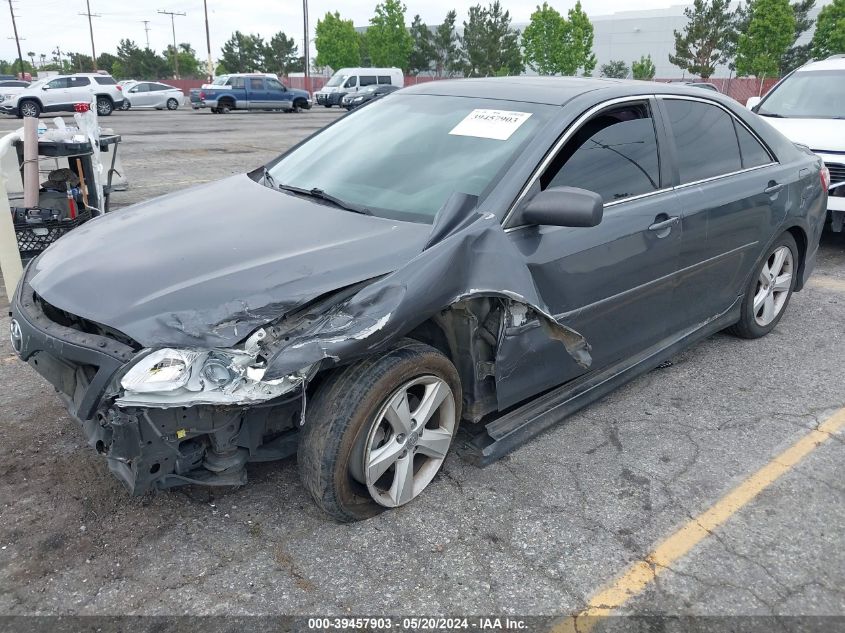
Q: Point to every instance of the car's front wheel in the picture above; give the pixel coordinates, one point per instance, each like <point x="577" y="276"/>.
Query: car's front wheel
<point x="172" y="104"/>
<point x="378" y="431"/>
<point x="29" y="108"/>
<point x="769" y="290"/>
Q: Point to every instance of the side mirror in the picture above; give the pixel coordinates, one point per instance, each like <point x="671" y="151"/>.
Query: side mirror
<point x="133" y="89"/>
<point x="564" y="206"/>
<point x="752" y="103"/>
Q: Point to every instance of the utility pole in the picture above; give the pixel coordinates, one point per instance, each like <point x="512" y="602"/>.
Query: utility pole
<point x="17" y="39"/>
<point x="147" y="31"/>
<point x="210" y="68"/>
<point x="173" y="15"/>
<point x="91" y="30"/>
<point x="305" y="55"/>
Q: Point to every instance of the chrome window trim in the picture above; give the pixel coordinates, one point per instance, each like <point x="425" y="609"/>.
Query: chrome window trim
<point x="541" y="167"/>
<point x="720" y="176"/>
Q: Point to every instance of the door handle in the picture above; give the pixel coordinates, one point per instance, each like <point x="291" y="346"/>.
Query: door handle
<point x="773" y="187"/>
<point x="664" y="224"/>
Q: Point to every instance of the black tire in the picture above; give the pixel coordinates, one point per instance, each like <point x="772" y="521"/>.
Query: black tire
<point x="215" y="111"/>
<point x="125" y="105"/>
<point x="224" y="108"/>
<point x="327" y="105"/>
<point x="341" y="413"/>
<point x="28" y="107"/>
<point x="104" y="106"/>
<point x="748" y="326"/>
<point x="172" y="104"/>
<point x="299" y="105"/>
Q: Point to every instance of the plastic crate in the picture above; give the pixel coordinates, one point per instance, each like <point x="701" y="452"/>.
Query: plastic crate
<point x="37" y="228"/>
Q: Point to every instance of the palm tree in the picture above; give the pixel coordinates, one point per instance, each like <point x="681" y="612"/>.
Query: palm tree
<point x="31" y="55"/>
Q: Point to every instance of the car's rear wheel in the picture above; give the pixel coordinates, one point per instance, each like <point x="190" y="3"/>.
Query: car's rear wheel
<point x="125" y="105"/>
<point x="172" y="104"/>
<point x="378" y="431"/>
<point x="29" y="108"/>
<point x="104" y="106"/>
<point x="769" y="290"/>
<point x="224" y="108"/>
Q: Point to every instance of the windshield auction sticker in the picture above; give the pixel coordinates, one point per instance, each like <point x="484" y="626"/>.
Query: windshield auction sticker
<point x="495" y="124"/>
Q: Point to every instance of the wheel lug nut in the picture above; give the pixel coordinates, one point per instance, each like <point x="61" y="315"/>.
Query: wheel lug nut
<point x="400" y="438"/>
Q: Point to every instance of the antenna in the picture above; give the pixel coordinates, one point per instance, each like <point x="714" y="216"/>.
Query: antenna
<point x="91" y="30"/>
<point x="147" y="29"/>
<point x="172" y="15"/>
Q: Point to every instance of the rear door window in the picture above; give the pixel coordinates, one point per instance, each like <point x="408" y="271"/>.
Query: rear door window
<point x="105" y="81"/>
<point x="368" y="80"/>
<point x="78" y="82"/>
<point x="384" y="79"/>
<point x="256" y="83"/>
<point x="705" y="141"/>
<point x="613" y="154"/>
<point x="753" y="154"/>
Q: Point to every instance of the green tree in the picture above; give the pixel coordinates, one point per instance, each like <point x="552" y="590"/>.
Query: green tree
<point x="771" y="30"/>
<point x="829" y="38"/>
<point x="615" y="69"/>
<point x="799" y="54"/>
<point x="105" y="61"/>
<point x="388" y="40"/>
<point x="366" y="59"/>
<point x="189" y="65"/>
<point x="280" y="55"/>
<point x="707" y="40"/>
<point x="445" y="47"/>
<point x="490" y="45"/>
<point x="543" y="40"/>
<point x="578" y="52"/>
<point x="243" y="53"/>
<point x="422" y="52"/>
<point x="338" y="43"/>
<point x="644" y="68"/>
<point x="81" y="63"/>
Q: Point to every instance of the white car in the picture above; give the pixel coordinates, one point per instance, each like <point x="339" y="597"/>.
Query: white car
<point x="808" y="107"/>
<point x="61" y="93"/>
<point x="151" y="94"/>
<point x="11" y="86"/>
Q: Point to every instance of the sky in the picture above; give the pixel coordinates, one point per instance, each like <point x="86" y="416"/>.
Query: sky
<point x="45" y="24"/>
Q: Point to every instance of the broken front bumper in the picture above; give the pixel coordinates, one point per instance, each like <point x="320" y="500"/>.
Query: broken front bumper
<point x="146" y="448"/>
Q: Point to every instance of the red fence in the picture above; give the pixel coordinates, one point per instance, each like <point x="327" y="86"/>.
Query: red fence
<point x="740" y="88"/>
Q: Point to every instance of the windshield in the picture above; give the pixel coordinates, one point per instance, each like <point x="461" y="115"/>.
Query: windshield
<point x="336" y="80"/>
<point x="403" y="157"/>
<point x="811" y="94"/>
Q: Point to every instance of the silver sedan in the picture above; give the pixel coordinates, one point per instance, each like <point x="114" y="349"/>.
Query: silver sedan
<point x="151" y="94"/>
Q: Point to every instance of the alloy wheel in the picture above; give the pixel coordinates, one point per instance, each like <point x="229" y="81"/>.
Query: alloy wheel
<point x="29" y="109"/>
<point x="408" y="441"/>
<point x="773" y="286"/>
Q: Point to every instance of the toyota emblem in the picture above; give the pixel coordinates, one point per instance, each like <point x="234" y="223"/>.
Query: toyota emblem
<point x="16" y="335"/>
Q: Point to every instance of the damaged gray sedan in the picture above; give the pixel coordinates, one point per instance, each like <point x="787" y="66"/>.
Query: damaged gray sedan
<point x="459" y="259"/>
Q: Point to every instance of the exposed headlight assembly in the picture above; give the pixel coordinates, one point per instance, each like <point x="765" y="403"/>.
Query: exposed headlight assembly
<point x="168" y="377"/>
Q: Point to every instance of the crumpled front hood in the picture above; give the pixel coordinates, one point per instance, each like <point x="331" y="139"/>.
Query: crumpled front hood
<point x="817" y="134"/>
<point x="208" y="265"/>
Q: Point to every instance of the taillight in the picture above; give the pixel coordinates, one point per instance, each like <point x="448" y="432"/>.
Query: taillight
<point x="119" y="88"/>
<point x="202" y="95"/>
<point x="825" y="176"/>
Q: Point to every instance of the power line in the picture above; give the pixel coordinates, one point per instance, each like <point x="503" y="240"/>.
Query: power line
<point x="17" y="39"/>
<point x="173" y="15"/>
<point x="91" y="30"/>
<point x="147" y="30"/>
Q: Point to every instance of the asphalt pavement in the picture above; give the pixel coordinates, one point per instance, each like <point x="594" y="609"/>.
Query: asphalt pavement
<point x="537" y="533"/>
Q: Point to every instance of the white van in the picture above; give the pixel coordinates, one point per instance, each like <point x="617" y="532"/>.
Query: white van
<point x="349" y="80"/>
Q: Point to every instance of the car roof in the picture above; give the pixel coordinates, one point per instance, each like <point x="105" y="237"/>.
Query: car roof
<point x="549" y="90"/>
<point x="835" y="62"/>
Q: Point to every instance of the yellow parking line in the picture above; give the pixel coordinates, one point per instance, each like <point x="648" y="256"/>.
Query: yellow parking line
<point x="639" y="574"/>
<point x="827" y="283"/>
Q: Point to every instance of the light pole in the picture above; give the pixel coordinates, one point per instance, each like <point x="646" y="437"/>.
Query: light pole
<point x="305" y="55"/>
<point x="210" y="67"/>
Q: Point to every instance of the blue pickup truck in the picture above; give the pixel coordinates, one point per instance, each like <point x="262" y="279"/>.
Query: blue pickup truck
<point x="249" y="92"/>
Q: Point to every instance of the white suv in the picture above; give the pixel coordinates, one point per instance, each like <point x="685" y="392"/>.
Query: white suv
<point x="808" y="107"/>
<point x="60" y="94"/>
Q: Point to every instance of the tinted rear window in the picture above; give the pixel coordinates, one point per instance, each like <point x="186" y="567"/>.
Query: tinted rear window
<point x="105" y="81"/>
<point x="384" y="79"/>
<point x="368" y="80"/>
<point x="753" y="154"/>
<point x="704" y="138"/>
